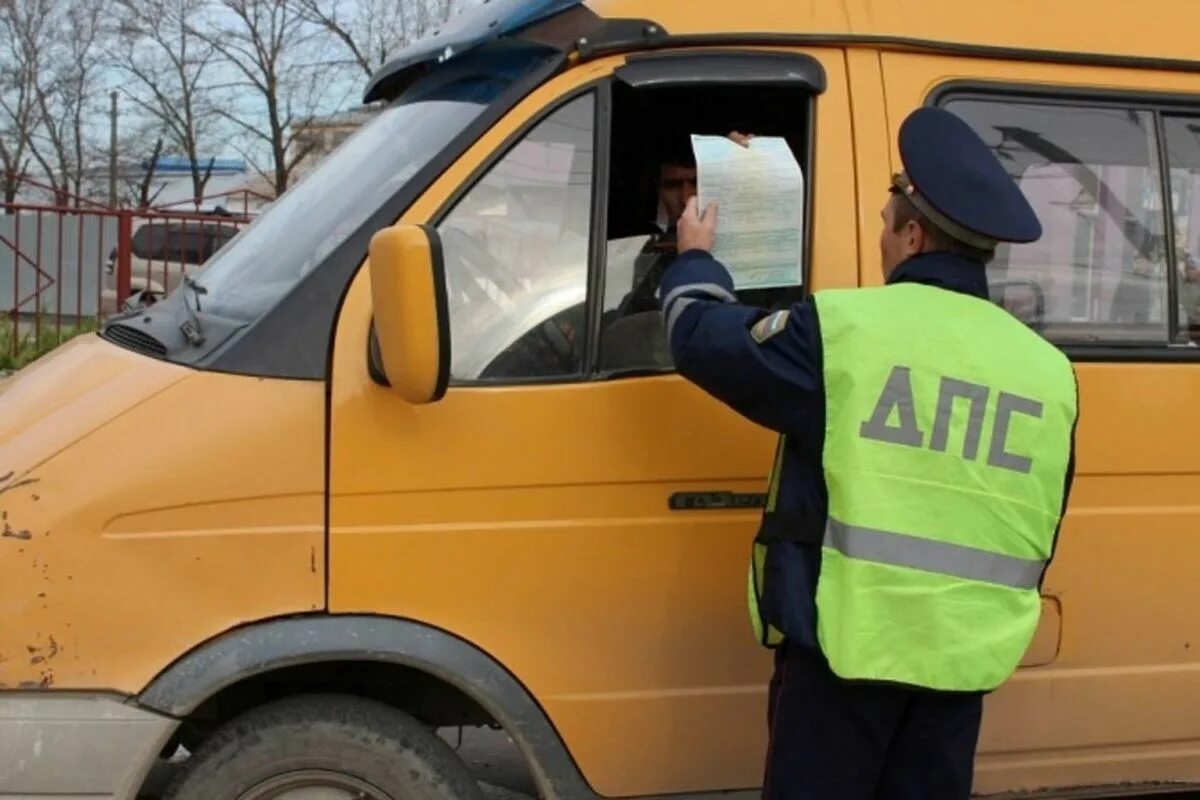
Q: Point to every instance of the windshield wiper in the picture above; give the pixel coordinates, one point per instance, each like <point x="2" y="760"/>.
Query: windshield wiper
<point x="191" y="326"/>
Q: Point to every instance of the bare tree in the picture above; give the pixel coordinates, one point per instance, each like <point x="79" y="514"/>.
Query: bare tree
<point x="24" y="28"/>
<point x="283" y="76"/>
<point x="139" y="190"/>
<point x="66" y="94"/>
<point x="372" y="32"/>
<point x="168" y="65"/>
<point x="144" y="198"/>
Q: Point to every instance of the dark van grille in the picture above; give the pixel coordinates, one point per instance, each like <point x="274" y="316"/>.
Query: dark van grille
<point x="133" y="339"/>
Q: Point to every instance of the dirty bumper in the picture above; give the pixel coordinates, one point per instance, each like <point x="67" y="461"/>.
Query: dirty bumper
<point x="60" y="745"/>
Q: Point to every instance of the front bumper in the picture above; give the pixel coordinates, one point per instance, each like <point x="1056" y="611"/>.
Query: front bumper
<point x="59" y="745"/>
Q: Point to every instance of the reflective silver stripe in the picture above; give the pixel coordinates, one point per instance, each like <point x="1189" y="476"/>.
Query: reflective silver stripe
<point x="713" y="290"/>
<point x="673" y="315"/>
<point x="903" y="550"/>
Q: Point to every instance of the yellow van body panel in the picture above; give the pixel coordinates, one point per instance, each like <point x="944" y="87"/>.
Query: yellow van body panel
<point x="147" y="508"/>
<point x="534" y="522"/>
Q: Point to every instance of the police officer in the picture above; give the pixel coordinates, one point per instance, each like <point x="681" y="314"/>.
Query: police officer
<point x="921" y="476"/>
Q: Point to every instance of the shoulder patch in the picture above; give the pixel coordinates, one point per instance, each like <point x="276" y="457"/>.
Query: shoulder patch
<point x="769" y="325"/>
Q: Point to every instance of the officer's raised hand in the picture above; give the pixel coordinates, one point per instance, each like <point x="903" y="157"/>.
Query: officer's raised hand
<point x="697" y="231"/>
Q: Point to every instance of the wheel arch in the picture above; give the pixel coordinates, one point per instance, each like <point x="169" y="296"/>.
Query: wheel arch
<point x="275" y="645"/>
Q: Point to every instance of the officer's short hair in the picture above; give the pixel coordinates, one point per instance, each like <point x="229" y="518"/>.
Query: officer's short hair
<point x="906" y="212"/>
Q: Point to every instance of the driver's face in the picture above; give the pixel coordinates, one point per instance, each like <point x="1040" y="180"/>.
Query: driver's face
<point x="676" y="185"/>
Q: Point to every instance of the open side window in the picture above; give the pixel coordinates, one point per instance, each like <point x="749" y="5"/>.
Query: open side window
<point x="657" y="102"/>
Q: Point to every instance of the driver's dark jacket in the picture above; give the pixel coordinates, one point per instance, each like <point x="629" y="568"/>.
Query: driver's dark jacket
<point x="779" y="385"/>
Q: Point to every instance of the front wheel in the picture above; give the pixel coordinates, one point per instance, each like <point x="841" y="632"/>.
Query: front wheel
<point x="324" y="747"/>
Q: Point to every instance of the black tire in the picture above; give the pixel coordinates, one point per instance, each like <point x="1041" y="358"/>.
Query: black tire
<point x="334" y="741"/>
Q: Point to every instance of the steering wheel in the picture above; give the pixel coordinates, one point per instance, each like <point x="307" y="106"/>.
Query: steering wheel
<point x="559" y="344"/>
<point x="545" y="349"/>
<point x="635" y="342"/>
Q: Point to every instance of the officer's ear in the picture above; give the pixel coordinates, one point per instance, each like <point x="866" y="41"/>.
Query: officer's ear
<point x="902" y="222"/>
<point x="913" y="237"/>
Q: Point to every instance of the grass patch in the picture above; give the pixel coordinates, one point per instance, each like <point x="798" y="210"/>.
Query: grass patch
<point x="23" y="344"/>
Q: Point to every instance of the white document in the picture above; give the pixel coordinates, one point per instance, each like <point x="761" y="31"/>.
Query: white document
<point x="759" y="191"/>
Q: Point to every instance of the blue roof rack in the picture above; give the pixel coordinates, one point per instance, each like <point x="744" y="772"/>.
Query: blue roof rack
<point x="467" y="31"/>
<point x="552" y="26"/>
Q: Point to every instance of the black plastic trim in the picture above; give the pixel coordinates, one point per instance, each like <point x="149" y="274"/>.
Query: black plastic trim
<point x="619" y="34"/>
<point x="441" y="300"/>
<point x="295" y="339"/>
<point x="276" y="644"/>
<point x="718" y="500"/>
<point x="598" y="252"/>
<point x="810" y="183"/>
<point x="1064" y="95"/>
<point x="1163" y="165"/>
<point x="1140" y="354"/>
<point x="722" y="68"/>
<point x="375" y="357"/>
<point x="904" y="44"/>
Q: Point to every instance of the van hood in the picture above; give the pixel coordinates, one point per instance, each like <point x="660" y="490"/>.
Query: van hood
<point x="61" y="398"/>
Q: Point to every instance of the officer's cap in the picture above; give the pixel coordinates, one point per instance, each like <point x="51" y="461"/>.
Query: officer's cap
<point x="958" y="184"/>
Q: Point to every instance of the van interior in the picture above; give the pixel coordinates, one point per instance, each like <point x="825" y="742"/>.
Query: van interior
<point x="651" y="126"/>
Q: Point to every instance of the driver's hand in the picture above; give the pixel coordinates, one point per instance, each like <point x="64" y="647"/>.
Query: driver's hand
<point x="696" y="231"/>
<point x="741" y="138"/>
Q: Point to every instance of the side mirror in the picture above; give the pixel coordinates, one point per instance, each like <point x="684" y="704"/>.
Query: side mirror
<point x="412" y="320"/>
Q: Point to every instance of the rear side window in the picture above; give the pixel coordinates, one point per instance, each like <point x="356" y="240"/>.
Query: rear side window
<point x="150" y="241"/>
<point x="177" y="243"/>
<point x="187" y="245"/>
<point x="1103" y="271"/>
<point x="216" y="238"/>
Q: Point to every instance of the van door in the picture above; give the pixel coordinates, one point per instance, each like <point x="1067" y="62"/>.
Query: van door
<point x="529" y="512"/>
<point x="1117" y="695"/>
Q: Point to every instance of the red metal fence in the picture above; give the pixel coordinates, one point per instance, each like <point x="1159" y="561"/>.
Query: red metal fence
<point x="63" y="268"/>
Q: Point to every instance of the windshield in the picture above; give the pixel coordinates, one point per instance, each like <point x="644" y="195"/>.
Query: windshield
<point x="250" y="275"/>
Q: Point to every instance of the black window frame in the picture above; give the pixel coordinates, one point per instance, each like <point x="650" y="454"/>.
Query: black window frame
<point x="1158" y="105"/>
